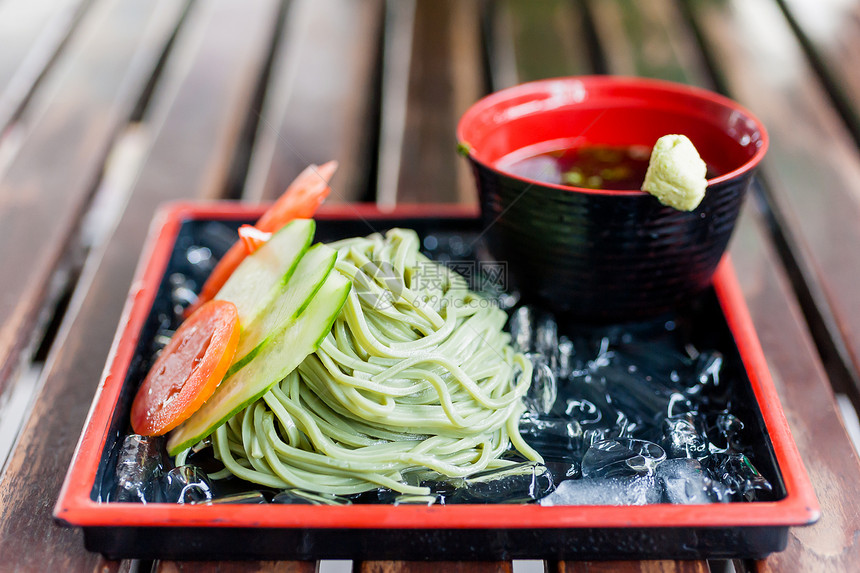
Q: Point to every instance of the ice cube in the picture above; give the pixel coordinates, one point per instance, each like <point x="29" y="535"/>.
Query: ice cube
<point x="138" y="468"/>
<point x="722" y="430"/>
<point x="586" y="401"/>
<point x="694" y="374"/>
<point x="707" y="371"/>
<point x="626" y="490"/>
<point x="187" y="484"/>
<point x="682" y="437"/>
<point x="563" y="468"/>
<point x="521" y="326"/>
<point x="595" y="435"/>
<point x="621" y="457"/>
<point x="181" y="292"/>
<point x="165" y="329"/>
<point x="603" y="356"/>
<point x="546" y="340"/>
<point x="642" y="396"/>
<point x="543" y="391"/>
<point x="737" y="472"/>
<point x="552" y="437"/>
<point x="684" y="481"/>
<point x="566" y="356"/>
<point x="519" y="483"/>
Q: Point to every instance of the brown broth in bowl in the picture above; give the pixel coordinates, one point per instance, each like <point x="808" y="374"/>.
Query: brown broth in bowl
<point x="607" y="167"/>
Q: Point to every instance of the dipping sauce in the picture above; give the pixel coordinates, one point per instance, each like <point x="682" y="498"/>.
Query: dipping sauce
<point x="607" y="167"/>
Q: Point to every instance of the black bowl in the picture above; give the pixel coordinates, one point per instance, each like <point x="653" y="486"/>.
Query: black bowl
<point x="608" y="255"/>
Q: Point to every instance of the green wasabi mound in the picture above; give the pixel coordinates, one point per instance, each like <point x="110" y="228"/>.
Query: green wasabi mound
<point x="676" y="174"/>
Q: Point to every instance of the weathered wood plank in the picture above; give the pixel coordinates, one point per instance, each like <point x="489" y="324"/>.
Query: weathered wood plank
<point x="31" y="33"/>
<point x="831" y="29"/>
<point x="618" y="52"/>
<point x="560" y="63"/>
<point x="321" y="98"/>
<point x="235" y="567"/>
<point x="647" y="39"/>
<point x="831" y="544"/>
<point x="633" y="567"/>
<point x="418" y="161"/>
<point x="200" y="128"/>
<point x="803" y="387"/>
<point x="812" y="169"/>
<point x="194" y="118"/>
<point x="536" y="39"/>
<point x="551" y="23"/>
<point x="109" y="566"/>
<point x="69" y="126"/>
<point x="435" y="566"/>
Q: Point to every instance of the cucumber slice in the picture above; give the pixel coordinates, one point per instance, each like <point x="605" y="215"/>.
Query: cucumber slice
<point x="261" y="276"/>
<point x="284" y="352"/>
<point x="310" y="273"/>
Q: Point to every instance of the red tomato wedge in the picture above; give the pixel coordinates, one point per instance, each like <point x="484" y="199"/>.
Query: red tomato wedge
<point x="188" y="369"/>
<point x="300" y="201"/>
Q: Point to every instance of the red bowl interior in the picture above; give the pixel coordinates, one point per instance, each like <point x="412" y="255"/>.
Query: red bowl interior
<point x="609" y="110"/>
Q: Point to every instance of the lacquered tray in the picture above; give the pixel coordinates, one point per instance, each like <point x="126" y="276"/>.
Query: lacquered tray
<point x="491" y="531"/>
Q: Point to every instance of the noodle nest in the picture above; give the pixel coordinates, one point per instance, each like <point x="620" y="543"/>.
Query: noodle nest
<point x="416" y="380"/>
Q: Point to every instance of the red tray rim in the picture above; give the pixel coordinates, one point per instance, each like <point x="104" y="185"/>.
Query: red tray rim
<point x="75" y="507"/>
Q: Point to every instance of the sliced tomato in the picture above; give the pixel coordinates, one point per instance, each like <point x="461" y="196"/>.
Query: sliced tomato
<point x="188" y="369"/>
<point x="300" y="201"/>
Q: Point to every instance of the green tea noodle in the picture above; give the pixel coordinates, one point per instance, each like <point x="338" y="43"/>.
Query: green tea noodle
<point x="416" y="380"/>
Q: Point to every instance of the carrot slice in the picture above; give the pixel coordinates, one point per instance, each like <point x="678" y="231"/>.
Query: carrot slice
<point x="188" y="369"/>
<point x="300" y="201"/>
<point x="253" y="238"/>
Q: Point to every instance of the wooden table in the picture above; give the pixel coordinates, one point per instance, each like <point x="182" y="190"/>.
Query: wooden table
<point x="110" y="107"/>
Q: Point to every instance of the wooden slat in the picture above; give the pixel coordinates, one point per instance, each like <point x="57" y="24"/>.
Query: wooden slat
<point x="321" y="98"/>
<point x="235" y="567"/>
<point x="84" y="100"/>
<point x="633" y="567"/>
<point x="208" y="107"/>
<point x="31" y="32"/>
<point x="610" y="16"/>
<point x="107" y="566"/>
<point x="543" y="39"/>
<point x="646" y="22"/>
<point x="832" y="544"/>
<point x="195" y="117"/>
<point x="804" y="389"/>
<point x="832" y="31"/>
<point x="195" y="106"/>
<point x="435" y="567"/>
<point x="21" y="25"/>
<point x="812" y="169"/>
<point x="660" y="32"/>
<point x="419" y="163"/>
<point x="560" y="63"/>
<point x="647" y="39"/>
